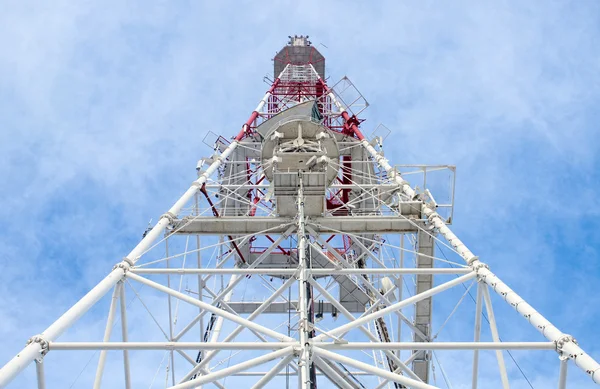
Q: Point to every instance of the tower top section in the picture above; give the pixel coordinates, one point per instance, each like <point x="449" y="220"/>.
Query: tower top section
<point x="299" y="40"/>
<point x="298" y="52"/>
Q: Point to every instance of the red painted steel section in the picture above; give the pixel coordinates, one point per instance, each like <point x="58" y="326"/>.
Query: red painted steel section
<point x="246" y="127"/>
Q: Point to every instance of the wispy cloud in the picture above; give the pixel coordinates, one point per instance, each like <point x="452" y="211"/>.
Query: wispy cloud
<point x="104" y="106"/>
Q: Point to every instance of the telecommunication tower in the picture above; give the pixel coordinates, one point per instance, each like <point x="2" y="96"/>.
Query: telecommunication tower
<point x="299" y="257"/>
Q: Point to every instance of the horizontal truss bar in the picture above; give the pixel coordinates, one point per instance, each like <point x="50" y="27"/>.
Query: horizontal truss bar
<point x="381" y="187"/>
<point x="439" y="346"/>
<point x="62" y="346"/>
<point x="231" y="225"/>
<point x="170" y="345"/>
<point x="319" y="272"/>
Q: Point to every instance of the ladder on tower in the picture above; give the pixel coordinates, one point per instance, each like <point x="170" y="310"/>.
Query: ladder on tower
<point x="384" y="336"/>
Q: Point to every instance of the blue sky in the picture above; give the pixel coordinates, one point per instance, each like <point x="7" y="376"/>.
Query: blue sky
<point x="104" y="106"/>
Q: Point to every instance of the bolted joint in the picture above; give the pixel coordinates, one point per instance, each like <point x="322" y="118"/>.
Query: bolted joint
<point x="433" y="215"/>
<point x="197" y="184"/>
<point x="472" y="259"/>
<point x="562" y="341"/>
<point x="126" y="264"/>
<point x="169" y="216"/>
<point x="44" y="345"/>
<point x="432" y="228"/>
<point x="380" y="159"/>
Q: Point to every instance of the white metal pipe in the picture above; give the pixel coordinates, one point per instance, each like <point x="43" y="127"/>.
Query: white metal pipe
<point x="373" y="370"/>
<point x="107" y="332"/>
<point x="400" y="287"/>
<point x="319" y="272"/>
<point x="495" y="336"/>
<point x="39" y="372"/>
<point x="477" y="335"/>
<point x="199" y="264"/>
<point x="211" y="377"/>
<point x="436" y="345"/>
<point x="266" y="186"/>
<point x="124" y="336"/>
<point x="562" y="376"/>
<point x="34" y="349"/>
<point x="384" y="311"/>
<point x="567" y="345"/>
<point x="211" y="308"/>
<point x="273" y="372"/>
<point x="292" y="373"/>
<point x="169" y="307"/>
<point x="62" y="346"/>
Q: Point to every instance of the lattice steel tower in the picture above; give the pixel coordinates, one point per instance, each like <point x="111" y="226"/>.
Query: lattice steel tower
<point x="299" y="257"/>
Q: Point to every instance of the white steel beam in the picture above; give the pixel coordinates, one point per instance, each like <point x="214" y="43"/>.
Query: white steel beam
<point x="107" y="333"/>
<point x="316" y="272"/>
<point x="424" y="308"/>
<point x="477" y="336"/>
<point x="223" y="345"/>
<point x="169" y="307"/>
<point x="238" y="225"/>
<point x="62" y="346"/>
<point x="124" y="336"/>
<point x="39" y="372"/>
<point x="562" y="375"/>
<point x="495" y="336"/>
<point x="436" y="345"/>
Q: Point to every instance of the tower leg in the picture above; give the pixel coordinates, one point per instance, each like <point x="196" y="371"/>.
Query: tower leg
<point x="477" y="336"/>
<point x="562" y="377"/>
<point x="39" y="372"/>
<point x="495" y="336"/>
<point x="124" y="336"/>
